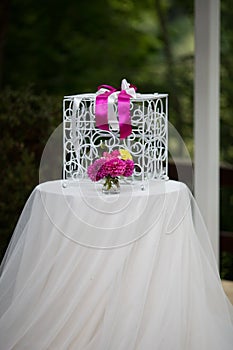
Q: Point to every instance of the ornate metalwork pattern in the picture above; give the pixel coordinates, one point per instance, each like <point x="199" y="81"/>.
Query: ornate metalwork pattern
<point x="83" y="142"/>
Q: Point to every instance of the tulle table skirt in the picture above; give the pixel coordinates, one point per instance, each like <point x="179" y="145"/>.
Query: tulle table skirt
<point x="134" y="271"/>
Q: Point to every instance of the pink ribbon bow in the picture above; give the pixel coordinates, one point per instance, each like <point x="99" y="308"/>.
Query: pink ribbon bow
<point x="101" y="110"/>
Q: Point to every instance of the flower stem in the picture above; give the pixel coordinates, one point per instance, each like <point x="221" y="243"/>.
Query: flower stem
<point x="110" y="181"/>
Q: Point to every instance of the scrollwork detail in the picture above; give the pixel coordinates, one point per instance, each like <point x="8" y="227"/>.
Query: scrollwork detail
<point x="83" y="142"/>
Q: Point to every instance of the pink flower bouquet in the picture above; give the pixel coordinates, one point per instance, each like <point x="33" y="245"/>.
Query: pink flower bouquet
<point x="110" y="167"/>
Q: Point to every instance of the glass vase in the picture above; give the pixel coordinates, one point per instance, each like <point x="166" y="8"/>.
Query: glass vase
<point x="111" y="185"/>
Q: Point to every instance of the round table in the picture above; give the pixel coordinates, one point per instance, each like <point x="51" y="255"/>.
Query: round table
<point x="134" y="271"/>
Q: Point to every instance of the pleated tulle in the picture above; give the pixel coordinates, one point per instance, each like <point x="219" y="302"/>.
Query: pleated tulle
<point x="153" y="287"/>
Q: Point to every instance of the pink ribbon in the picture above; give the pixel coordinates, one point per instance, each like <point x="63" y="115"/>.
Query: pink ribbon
<point x="101" y="110"/>
<point x="124" y="114"/>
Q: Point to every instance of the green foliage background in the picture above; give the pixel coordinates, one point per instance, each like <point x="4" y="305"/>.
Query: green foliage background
<point x="53" y="48"/>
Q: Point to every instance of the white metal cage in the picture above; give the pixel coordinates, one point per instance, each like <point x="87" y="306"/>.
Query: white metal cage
<point x="148" y="143"/>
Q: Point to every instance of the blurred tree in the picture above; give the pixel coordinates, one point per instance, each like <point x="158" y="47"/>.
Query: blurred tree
<point x="75" y="46"/>
<point x="55" y="43"/>
<point x="226" y="82"/>
<point x="4" y="18"/>
<point x="26" y="121"/>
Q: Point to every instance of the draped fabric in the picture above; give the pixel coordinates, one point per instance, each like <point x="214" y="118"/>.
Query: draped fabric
<point x="135" y="271"/>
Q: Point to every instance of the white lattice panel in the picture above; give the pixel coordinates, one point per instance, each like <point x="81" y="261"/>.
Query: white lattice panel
<point x="83" y="142"/>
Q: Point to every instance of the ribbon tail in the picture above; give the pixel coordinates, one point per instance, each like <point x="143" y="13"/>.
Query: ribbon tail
<point x="101" y="111"/>
<point x="124" y="114"/>
<point x="101" y="107"/>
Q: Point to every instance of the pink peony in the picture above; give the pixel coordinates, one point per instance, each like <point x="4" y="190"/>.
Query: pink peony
<point x="113" y="154"/>
<point x="129" y="167"/>
<point x="96" y="170"/>
<point x="115" y="167"/>
<point x="110" y="165"/>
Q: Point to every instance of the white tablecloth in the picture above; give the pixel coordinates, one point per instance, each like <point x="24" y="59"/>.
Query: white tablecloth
<point x="135" y="271"/>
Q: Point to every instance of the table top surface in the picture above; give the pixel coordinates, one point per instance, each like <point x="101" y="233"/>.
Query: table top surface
<point x="91" y="189"/>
